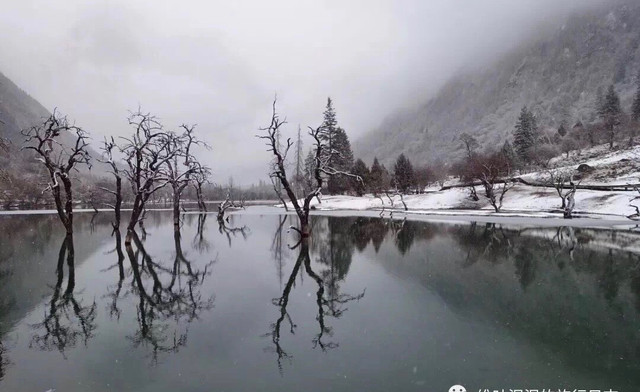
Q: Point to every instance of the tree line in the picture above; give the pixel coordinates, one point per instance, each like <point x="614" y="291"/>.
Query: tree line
<point x="330" y="165"/>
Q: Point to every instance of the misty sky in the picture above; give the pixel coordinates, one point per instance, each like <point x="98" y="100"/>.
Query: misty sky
<point x="219" y="63"/>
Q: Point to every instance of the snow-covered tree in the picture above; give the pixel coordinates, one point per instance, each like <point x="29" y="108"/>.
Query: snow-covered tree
<point x="309" y="171"/>
<point x="403" y="174"/>
<point x="321" y="169"/>
<point x="635" y="108"/>
<point x="470" y="143"/>
<point x="328" y="131"/>
<point x="342" y="160"/>
<point x="337" y="154"/>
<point x="60" y="160"/>
<point x="525" y="134"/>
<point x="610" y="112"/>
<point x="378" y="178"/>
<point x="360" y="169"/>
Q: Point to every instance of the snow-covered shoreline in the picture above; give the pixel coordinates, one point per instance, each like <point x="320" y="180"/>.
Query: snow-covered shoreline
<point x="620" y="167"/>
<point x="520" y="202"/>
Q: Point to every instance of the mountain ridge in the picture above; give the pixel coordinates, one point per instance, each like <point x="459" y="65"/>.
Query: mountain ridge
<point x="558" y="76"/>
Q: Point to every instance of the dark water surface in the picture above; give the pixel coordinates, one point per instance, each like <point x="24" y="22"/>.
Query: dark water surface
<point x="369" y="304"/>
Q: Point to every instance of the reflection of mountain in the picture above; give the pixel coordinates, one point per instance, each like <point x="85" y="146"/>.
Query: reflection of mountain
<point x="554" y="288"/>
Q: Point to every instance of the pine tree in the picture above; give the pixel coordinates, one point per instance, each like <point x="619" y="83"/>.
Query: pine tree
<point x="328" y="131"/>
<point x="610" y="112"/>
<point x="635" y="109"/>
<point x="376" y="177"/>
<point x="360" y="169"/>
<point x="342" y="161"/>
<point x="309" y="171"/>
<point x="337" y="150"/>
<point x="525" y="134"/>
<point x="403" y="174"/>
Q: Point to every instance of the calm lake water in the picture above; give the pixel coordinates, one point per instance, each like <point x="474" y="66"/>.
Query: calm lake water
<point x="369" y="304"/>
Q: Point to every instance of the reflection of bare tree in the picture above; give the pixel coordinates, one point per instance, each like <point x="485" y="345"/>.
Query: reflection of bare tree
<point x="230" y="231"/>
<point x="277" y="247"/>
<point x="67" y="320"/>
<point x="200" y="243"/>
<point x="114" y="311"/>
<point x="329" y="305"/>
<point x="167" y="297"/>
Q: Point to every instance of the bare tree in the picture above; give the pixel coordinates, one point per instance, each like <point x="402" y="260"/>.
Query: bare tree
<point x="571" y="202"/>
<point x="228" y="204"/>
<point x="470" y="144"/>
<point x="146" y="153"/>
<point x="558" y="179"/>
<point x="59" y="159"/>
<point x="493" y="191"/>
<point x="181" y="165"/>
<point x="107" y="148"/>
<point x="321" y="168"/>
<point x="199" y="178"/>
<point x="277" y="189"/>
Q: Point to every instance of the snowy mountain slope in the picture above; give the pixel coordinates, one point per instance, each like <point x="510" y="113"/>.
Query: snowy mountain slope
<point x="559" y="77"/>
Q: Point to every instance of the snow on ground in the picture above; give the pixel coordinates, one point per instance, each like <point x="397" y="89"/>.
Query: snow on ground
<point x="611" y="168"/>
<point x="519" y="201"/>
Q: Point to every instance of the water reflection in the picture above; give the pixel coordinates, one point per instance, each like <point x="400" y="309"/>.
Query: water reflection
<point x="330" y="304"/>
<point x="114" y="293"/>
<point x="200" y="241"/>
<point x="169" y="297"/>
<point x="530" y="296"/>
<point x="67" y="321"/>
<point x="226" y="227"/>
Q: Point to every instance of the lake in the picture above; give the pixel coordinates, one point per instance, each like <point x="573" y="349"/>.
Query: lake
<point x="368" y="304"/>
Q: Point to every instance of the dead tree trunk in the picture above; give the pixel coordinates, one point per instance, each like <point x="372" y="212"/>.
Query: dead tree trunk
<point x="108" y="148"/>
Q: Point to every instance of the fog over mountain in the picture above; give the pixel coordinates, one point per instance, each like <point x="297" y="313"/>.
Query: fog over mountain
<point x="558" y="76"/>
<point x="218" y="64"/>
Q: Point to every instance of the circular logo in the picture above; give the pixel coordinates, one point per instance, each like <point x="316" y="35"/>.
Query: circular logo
<point x="457" y="388"/>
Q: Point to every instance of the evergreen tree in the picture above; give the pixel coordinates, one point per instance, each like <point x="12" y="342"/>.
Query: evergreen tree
<point x="360" y="169"/>
<point x="377" y="177"/>
<point x="342" y="161"/>
<point x="309" y="171"/>
<point x="525" y="134"/>
<point x="610" y="113"/>
<point x="635" y="109"/>
<point x="403" y="174"/>
<point x="328" y="132"/>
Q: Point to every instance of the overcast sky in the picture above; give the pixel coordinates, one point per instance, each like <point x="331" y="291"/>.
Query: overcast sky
<point x="219" y="63"/>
